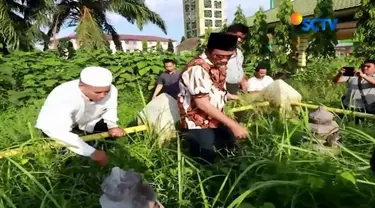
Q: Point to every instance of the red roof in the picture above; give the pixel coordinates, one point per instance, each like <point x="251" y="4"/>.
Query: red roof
<point x="129" y="37"/>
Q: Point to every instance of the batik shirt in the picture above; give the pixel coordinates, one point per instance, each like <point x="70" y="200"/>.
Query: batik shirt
<point x="201" y="78"/>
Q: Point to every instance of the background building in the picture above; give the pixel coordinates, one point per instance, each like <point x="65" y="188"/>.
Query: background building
<point x="202" y="14"/>
<point x="130" y="43"/>
<point x="344" y="10"/>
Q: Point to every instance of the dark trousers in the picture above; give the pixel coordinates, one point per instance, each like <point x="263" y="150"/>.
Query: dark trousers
<point x="233" y="88"/>
<point x="202" y="142"/>
<point x="100" y="127"/>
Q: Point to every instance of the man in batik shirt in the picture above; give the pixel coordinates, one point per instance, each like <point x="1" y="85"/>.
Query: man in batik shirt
<point x="202" y="99"/>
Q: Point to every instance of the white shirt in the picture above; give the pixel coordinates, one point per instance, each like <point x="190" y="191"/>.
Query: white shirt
<point x="66" y="107"/>
<point x="255" y="84"/>
<point x="235" y="71"/>
<point x="353" y="98"/>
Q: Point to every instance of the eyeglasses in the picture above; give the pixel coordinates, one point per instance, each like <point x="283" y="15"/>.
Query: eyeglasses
<point x="222" y="56"/>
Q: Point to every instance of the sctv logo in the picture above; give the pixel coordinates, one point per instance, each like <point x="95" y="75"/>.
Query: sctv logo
<point x="309" y="23"/>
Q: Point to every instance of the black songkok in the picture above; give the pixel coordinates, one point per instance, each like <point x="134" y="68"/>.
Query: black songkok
<point x="222" y="41"/>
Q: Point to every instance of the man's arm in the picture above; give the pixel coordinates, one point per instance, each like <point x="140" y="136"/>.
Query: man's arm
<point x="158" y="89"/>
<point x="110" y="117"/>
<point x="340" y="78"/>
<point x="243" y="82"/>
<point x="232" y="97"/>
<point x="55" y="121"/>
<point x="369" y="79"/>
<point x="159" y="86"/>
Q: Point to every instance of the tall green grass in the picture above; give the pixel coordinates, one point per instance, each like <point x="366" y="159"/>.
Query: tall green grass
<point x="269" y="169"/>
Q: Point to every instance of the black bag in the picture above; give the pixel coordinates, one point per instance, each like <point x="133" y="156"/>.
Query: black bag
<point x="369" y="108"/>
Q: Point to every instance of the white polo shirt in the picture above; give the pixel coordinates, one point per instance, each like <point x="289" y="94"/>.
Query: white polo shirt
<point x="235" y="70"/>
<point x="255" y="84"/>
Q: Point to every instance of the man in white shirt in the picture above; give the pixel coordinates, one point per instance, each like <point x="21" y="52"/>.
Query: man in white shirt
<point x="235" y="74"/>
<point x="87" y="104"/>
<point x="260" y="81"/>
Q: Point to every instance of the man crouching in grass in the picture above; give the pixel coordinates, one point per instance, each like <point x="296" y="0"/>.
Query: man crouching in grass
<point x="88" y="104"/>
<point x="203" y="97"/>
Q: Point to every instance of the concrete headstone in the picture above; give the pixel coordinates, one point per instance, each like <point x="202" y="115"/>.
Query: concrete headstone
<point x="279" y="94"/>
<point x="162" y="114"/>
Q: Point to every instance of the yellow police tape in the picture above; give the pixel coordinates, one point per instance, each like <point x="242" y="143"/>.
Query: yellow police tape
<point x="30" y="148"/>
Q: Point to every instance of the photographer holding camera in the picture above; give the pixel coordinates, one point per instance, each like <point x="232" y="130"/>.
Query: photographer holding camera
<point x="360" y="93"/>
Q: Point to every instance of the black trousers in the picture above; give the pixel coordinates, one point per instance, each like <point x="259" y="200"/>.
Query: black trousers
<point x="100" y="127"/>
<point x="233" y="88"/>
<point x="203" y="142"/>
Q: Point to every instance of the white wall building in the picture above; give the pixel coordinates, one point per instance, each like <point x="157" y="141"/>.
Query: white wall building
<point x="130" y="43"/>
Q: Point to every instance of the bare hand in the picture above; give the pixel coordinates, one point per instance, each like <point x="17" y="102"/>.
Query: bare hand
<point x="359" y="73"/>
<point x="342" y="71"/>
<point x="239" y="131"/>
<point x="232" y="97"/>
<point x="100" y="157"/>
<point x="244" y="84"/>
<point x="116" y="132"/>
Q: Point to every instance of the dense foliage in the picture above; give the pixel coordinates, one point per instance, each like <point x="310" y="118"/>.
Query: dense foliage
<point x="284" y="41"/>
<point x="259" y="50"/>
<point x="364" y="34"/>
<point x="202" y="43"/>
<point x="22" y="20"/>
<point x="322" y="43"/>
<point x="28" y="75"/>
<point x="269" y="170"/>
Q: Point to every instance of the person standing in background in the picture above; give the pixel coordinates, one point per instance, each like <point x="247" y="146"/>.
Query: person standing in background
<point x="235" y="74"/>
<point x="360" y="92"/>
<point x="168" y="80"/>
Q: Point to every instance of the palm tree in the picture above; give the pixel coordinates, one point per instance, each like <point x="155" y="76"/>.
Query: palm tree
<point x="20" y="23"/>
<point x="90" y="18"/>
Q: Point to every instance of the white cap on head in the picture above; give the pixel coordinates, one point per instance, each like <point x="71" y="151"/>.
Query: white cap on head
<point x="96" y="76"/>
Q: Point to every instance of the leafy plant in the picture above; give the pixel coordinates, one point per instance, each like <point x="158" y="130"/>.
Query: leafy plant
<point x="35" y="74"/>
<point x="258" y="41"/>
<point x="158" y="47"/>
<point x="202" y="44"/>
<point x="21" y="22"/>
<point x="144" y="46"/>
<point x="284" y="41"/>
<point x="170" y="46"/>
<point x="90" y="18"/>
<point x="322" y="43"/>
<point x="364" y="35"/>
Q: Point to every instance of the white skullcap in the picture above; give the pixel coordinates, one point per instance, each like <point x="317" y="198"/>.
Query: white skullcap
<point x="96" y="76"/>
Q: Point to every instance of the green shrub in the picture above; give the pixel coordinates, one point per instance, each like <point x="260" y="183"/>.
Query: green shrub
<point x="35" y="74"/>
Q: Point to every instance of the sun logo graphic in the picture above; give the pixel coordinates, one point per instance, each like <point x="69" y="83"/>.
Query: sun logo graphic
<point x="296" y="18"/>
<point x="314" y="24"/>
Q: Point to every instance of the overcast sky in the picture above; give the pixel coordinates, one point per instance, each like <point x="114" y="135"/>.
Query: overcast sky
<point x="172" y="13"/>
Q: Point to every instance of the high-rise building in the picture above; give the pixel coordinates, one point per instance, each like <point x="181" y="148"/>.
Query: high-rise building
<point x="202" y="14"/>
